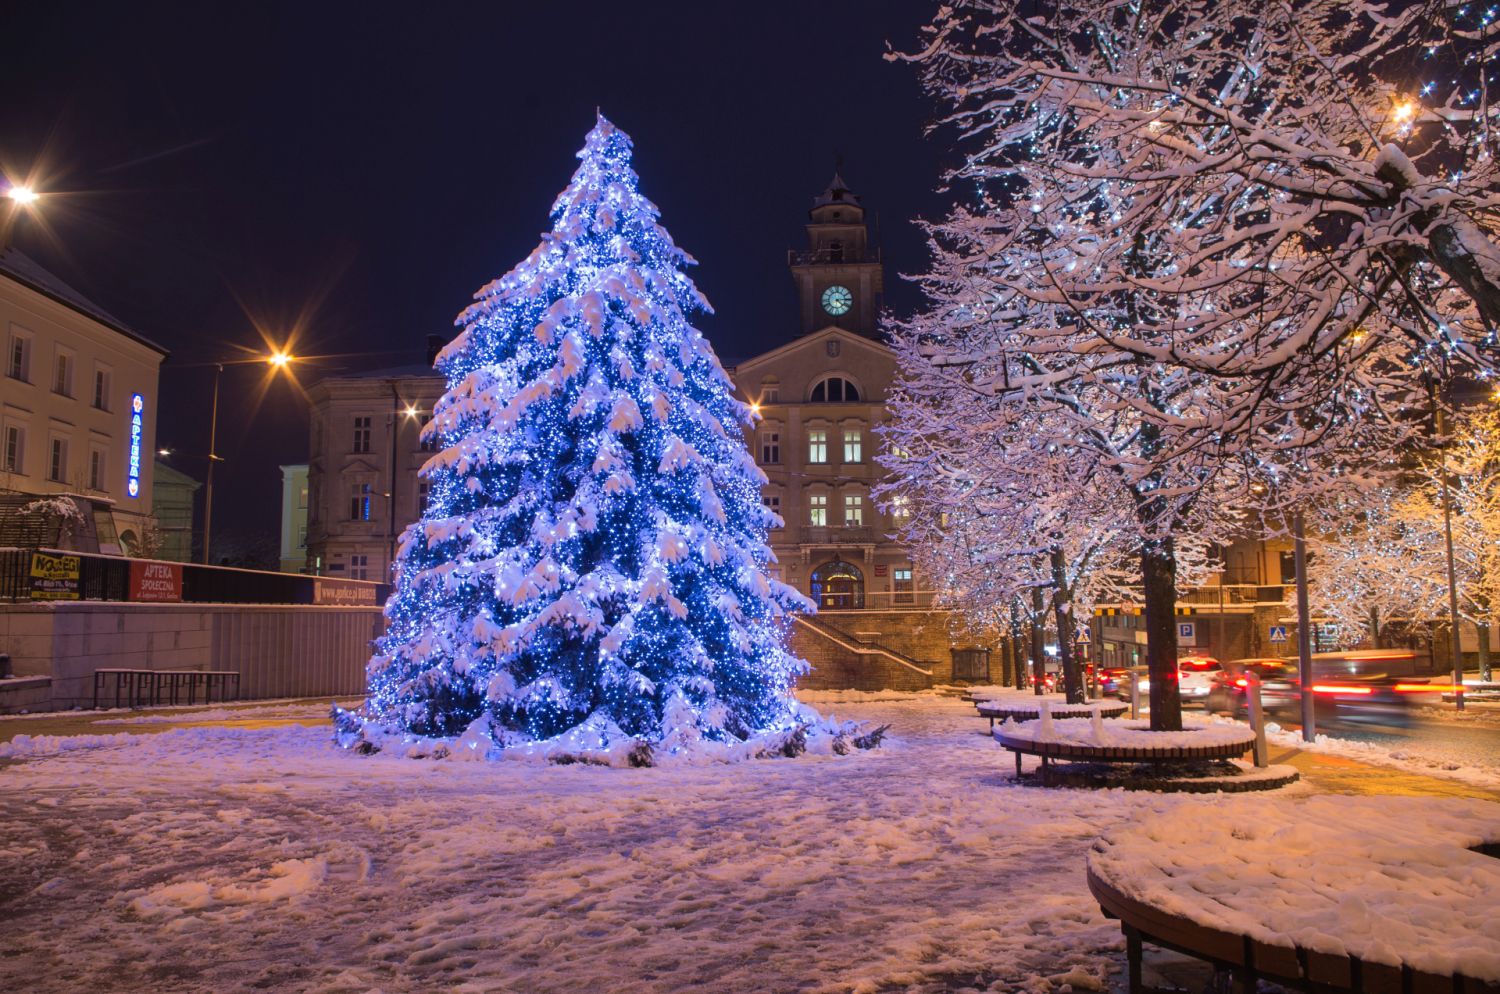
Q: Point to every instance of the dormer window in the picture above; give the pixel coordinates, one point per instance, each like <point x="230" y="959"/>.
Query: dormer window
<point x="834" y="390"/>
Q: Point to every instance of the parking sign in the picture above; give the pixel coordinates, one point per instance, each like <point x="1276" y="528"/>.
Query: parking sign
<point x="1187" y="633"/>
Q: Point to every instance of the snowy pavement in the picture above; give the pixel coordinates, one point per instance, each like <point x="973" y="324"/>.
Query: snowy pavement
<point x="230" y="858"/>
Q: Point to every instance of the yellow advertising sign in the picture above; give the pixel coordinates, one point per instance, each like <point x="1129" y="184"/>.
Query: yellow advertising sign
<point x="54" y="578"/>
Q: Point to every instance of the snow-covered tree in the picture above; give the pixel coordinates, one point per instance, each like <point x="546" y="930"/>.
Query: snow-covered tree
<point x="591" y="566"/>
<point x="1385" y="558"/>
<point x="1161" y="313"/>
<point x="1298" y="182"/>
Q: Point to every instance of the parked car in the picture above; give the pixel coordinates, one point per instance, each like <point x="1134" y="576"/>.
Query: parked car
<point x="1194" y="674"/>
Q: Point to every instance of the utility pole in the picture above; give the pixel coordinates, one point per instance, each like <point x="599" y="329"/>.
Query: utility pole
<point x="1304" y="631"/>
<point x="1453" y="631"/>
<point x="213" y="457"/>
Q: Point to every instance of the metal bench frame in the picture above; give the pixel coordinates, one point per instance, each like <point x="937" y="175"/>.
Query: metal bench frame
<point x="148" y="687"/>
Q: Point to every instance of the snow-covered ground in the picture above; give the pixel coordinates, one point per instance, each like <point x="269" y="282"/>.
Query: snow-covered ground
<point x="230" y="858"/>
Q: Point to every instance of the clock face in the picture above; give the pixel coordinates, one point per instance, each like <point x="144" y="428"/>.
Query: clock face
<point x="837" y="300"/>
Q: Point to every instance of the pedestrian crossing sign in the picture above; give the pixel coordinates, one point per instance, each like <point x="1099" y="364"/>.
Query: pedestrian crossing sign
<point x="1278" y="633"/>
<point x="1084" y="638"/>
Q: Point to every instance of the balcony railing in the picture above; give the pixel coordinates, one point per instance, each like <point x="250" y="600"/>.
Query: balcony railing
<point x="824" y="257"/>
<point x="818" y="535"/>
<point x="1230" y="595"/>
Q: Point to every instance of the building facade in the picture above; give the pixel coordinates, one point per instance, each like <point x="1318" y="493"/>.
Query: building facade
<point x="78" y="405"/>
<point x="172" y="500"/>
<point x="294" y="501"/>
<point x="365" y="449"/>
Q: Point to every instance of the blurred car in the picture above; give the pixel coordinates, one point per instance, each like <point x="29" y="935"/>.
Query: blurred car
<point x="1228" y="690"/>
<point x="1363" y="685"/>
<point x="1111" y="679"/>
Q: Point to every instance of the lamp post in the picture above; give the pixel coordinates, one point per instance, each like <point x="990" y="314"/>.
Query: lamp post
<point x="410" y="410"/>
<point x="278" y="361"/>
<point x="22" y="198"/>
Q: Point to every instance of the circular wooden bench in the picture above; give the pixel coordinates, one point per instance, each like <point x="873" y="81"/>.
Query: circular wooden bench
<point x="1242" y="959"/>
<point x="998" y="711"/>
<point x="1079" y="752"/>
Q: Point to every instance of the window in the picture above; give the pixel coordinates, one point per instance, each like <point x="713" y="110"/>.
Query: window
<point x="96" y="469"/>
<point x="302" y="537"/>
<point x="901" y="583"/>
<point x="817" y="445"/>
<point x="770" y="448"/>
<point x="901" y="507"/>
<point x="18" y="359"/>
<point x="773" y="502"/>
<point x="770" y="391"/>
<point x="835" y="251"/>
<point x="101" y="389"/>
<point x="853" y="446"/>
<point x="854" y="510"/>
<point x="362" y="434"/>
<point x="15" y="449"/>
<point x="834" y="390"/>
<point x="302" y="495"/>
<point x="62" y="379"/>
<point x="359" y="502"/>
<point x="817" y="510"/>
<point x="359" y="567"/>
<point x="428" y="442"/>
<point x="423" y="489"/>
<point x="57" y="468"/>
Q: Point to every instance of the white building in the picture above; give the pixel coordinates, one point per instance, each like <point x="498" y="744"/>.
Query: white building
<point x="78" y="404"/>
<point x="294" y="518"/>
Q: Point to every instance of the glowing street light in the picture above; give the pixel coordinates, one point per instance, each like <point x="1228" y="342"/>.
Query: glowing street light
<point x="23" y="195"/>
<point x="411" y="411"/>
<point x="278" y="360"/>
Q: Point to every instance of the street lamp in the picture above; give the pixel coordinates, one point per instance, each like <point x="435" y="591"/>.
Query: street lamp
<point x="23" y="195"/>
<point x="277" y="360"/>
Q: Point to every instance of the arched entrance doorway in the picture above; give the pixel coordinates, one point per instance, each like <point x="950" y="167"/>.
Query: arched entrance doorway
<point x="838" y="585"/>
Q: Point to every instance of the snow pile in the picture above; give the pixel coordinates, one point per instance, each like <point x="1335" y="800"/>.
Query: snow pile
<point x="1389" y="880"/>
<point x="913" y="868"/>
<point x="1125" y="732"/>
<point x="598" y="741"/>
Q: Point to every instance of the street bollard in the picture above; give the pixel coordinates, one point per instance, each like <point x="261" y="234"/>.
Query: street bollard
<point x="1257" y="716"/>
<point x="1135" y="695"/>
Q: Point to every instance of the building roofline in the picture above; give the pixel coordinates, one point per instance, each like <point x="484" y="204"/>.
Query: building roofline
<point x="61" y="293"/>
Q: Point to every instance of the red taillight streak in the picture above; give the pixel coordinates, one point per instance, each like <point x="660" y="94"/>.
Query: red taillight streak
<point x="1429" y="688"/>
<point x="1242" y="682"/>
<point x="1329" y="688"/>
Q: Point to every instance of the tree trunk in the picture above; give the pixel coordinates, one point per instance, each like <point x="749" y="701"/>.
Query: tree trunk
<point x="1062" y="609"/>
<point x="1375" y="628"/>
<point x="1483" y="631"/>
<point x="1159" y="578"/>
<point x="1038" y="642"/>
<point x="1017" y="645"/>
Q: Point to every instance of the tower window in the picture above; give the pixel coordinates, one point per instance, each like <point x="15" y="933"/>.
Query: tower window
<point x="834" y="390"/>
<point x="835" y="250"/>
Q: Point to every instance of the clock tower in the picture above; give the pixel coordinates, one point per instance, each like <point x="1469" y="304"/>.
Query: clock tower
<point x="839" y="276"/>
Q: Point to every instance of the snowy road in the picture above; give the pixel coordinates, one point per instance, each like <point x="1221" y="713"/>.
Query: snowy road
<point x="219" y="860"/>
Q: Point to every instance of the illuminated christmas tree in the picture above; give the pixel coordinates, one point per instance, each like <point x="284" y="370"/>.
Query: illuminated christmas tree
<point x="590" y="571"/>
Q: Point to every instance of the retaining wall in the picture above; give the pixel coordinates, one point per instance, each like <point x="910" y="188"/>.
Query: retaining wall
<point x="279" y="650"/>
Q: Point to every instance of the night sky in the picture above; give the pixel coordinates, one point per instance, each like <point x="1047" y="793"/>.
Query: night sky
<point x="356" y="172"/>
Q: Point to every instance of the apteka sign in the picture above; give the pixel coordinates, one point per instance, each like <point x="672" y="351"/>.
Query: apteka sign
<point x="154" y="581"/>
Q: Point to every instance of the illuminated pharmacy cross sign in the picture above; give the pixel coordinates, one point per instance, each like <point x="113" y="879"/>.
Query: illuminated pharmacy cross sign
<point x="1278" y="633"/>
<point x="133" y="476"/>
